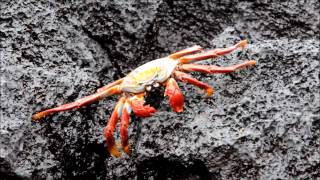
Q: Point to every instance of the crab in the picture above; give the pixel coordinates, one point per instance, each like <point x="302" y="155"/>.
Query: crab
<point x="160" y="72"/>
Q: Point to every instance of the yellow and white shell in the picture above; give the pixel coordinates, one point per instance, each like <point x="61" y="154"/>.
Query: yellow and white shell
<point x="156" y="71"/>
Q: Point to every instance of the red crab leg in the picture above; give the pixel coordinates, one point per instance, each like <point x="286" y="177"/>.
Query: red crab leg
<point x="109" y="129"/>
<point x="135" y="104"/>
<point x="211" y="69"/>
<point x="138" y="107"/>
<point x="175" y="95"/>
<point x="184" y="52"/>
<point x="126" y="110"/>
<point x="189" y="79"/>
<point x="213" y="53"/>
<point x="78" y="103"/>
<point x="117" y="82"/>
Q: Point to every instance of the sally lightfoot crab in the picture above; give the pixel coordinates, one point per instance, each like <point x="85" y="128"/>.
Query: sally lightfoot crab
<point x="160" y="72"/>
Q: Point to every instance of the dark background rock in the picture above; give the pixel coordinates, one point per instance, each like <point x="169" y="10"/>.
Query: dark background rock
<point x="262" y="122"/>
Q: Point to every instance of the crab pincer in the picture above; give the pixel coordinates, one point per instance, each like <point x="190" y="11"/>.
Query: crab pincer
<point x="175" y="95"/>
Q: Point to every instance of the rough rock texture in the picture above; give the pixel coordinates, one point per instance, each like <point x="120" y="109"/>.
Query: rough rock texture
<point x="262" y="122"/>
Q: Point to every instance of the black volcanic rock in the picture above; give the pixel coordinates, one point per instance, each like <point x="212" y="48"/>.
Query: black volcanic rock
<point x="262" y="122"/>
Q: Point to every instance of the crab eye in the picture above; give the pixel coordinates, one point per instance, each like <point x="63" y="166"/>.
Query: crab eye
<point x="148" y="88"/>
<point x="156" y="85"/>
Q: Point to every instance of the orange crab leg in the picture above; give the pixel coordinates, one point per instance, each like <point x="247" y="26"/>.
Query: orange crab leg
<point x="189" y="79"/>
<point x="211" y="69"/>
<point x="175" y="95"/>
<point x="187" y="51"/>
<point x="109" y="129"/>
<point x="138" y="107"/>
<point x="135" y="104"/>
<point x="125" y="116"/>
<point x="213" y="53"/>
<point x="78" y="103"/>
<point x="117" y="82"/>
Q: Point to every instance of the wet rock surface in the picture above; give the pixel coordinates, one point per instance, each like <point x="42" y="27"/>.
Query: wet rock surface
<point x="262" y="122"/>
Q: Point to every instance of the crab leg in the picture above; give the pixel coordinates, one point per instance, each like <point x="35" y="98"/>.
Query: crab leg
<point x="189" y="79"/>
<point x="187" y="51"/>
<point x="212" y="53"/>
<point x="124" y="125"/>
<point x="175" y="95"/>
<point x="78" y="103"/>
<point x="138" y="107"/>
<point x="211" y="69"/>
<point x="109" y="129"/>
<point x="117" y="82"/>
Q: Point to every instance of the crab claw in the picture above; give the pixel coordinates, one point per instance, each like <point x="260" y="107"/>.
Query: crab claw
<point x="138" y="107"/>
<point x="175" y="95"/>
